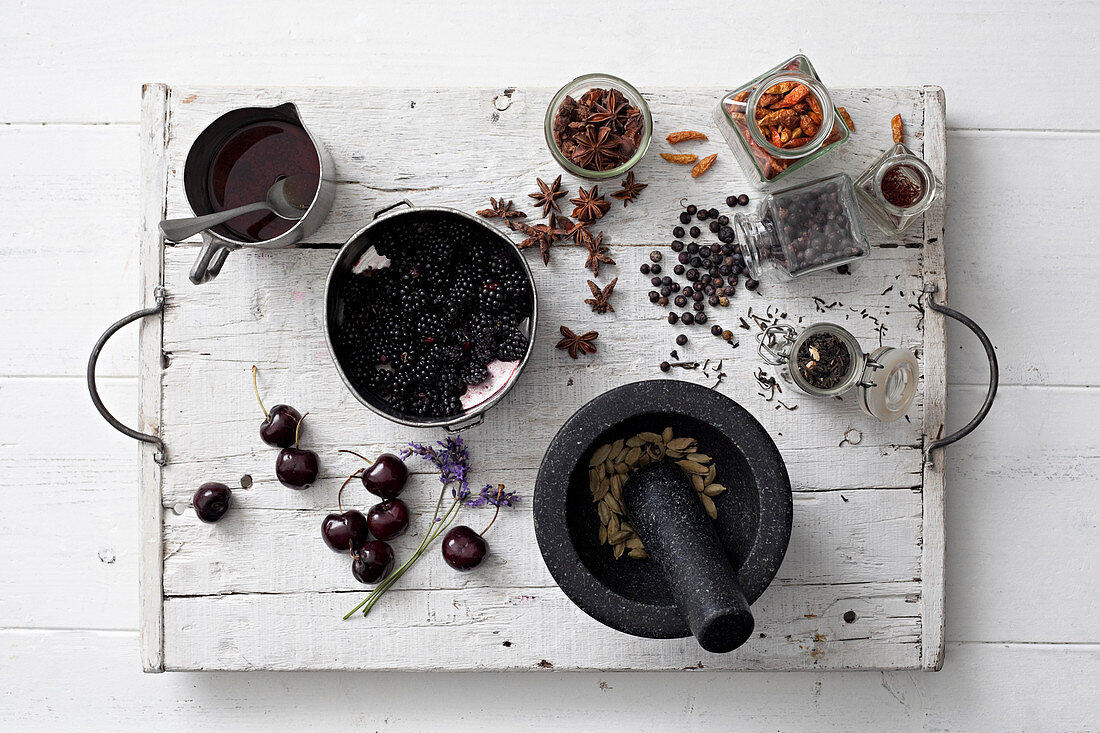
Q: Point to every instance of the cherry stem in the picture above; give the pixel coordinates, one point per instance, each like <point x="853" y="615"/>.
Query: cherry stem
<point x="354" y="454"/>
<point x="500" y="491"/>
<point x="298" y="429"/>
<point x="340" y="493"/>
<point x="256" y="388"/>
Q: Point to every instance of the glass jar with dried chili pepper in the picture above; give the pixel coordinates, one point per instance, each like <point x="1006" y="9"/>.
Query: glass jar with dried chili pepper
<point x="780" y="121"/>
<point x="896" y="189"/>
<point x="803" y="229"/>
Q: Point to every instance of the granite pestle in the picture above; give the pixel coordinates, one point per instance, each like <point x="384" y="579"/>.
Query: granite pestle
<point x="682" y="541"/>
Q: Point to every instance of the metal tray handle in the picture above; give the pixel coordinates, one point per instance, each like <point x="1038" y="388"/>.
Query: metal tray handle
<point x="994" y="372"/>
<point x="158" y="296"/>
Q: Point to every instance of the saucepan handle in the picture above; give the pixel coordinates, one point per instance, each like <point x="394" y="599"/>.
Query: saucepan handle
<point x="210" y="260"/>
<point x="391" y="207"/>
<point x="994" y="372"/>
<point x="157" y="307"/>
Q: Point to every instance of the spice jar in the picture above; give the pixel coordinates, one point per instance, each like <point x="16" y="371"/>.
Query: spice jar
<point x="825" y="360"/>
<point x="780" y="121"/>
<point x="897" y="188"/>
<point x="806" y="228"/>
<point x="598" y="127"/>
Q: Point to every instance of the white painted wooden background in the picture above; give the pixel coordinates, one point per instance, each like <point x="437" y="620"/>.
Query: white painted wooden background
<point x="1023" y="641"/>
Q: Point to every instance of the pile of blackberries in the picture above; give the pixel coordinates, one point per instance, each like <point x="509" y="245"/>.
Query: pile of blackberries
<point x="419" y="331"/>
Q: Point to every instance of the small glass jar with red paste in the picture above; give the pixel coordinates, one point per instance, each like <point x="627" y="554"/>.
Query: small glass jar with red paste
<point x="896" y="189"/>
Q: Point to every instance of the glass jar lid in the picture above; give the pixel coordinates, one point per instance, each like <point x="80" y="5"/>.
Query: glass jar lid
<point x="889" y="383"/>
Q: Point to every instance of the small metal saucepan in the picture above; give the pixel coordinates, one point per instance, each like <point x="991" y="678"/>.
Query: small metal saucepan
<point x="352" y="259"/>
<point x="219" y="241"/>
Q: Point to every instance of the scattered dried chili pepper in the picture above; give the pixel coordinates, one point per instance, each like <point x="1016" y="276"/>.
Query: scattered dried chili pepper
<point x="703" y="165"/>
<point x="680" y="158"/>
<point x="897" y="129"/>
<point x="679" y="137"/>
<point x="847" y="118"/>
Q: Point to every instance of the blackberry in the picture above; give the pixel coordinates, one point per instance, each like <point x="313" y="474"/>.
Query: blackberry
<point x="513" y="346"/>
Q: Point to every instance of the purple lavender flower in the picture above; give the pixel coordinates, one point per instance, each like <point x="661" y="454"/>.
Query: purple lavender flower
<point x="494" y="497"/>
<point x="451" y="459"/>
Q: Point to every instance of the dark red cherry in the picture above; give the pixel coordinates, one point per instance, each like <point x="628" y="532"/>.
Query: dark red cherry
<point x="463" y="548"/>
<point x="278" y="427"/>
<point x="388" y="519"/>
<point x="372" y="561"/>
<point x="341" y="532"/>
<point x="386" y="476"/>
<point x="211" y="501"/>
<point x="296" y="467"/>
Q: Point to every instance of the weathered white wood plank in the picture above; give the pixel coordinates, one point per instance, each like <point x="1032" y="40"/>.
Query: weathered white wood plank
<point x="1014" y="45"/>
<point x="154" y="167"/>
<point x="813" y="633"/>
<point x="838" y="537"/>
<point x="934" y="372"/>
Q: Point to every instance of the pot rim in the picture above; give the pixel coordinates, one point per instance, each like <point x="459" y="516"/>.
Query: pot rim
<point x="471" y="417"/>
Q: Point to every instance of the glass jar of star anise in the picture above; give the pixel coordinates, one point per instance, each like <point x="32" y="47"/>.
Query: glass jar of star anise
<point x="780" y="121"/>
<point x="598" y="126"/>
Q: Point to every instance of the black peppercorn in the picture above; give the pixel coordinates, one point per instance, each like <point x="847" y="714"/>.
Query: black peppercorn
<point x="696" y="261"/>
<point x="704" y="251"/>
<point x="723" y="220"/>
<point x="678" y="269"/>
<point x="731" y="201"/>
<point x="681" y="339"/>
<point x="653" y="295"/>
<point x="665" y="366"/>
<point x="666" y="280"/>
<point x="685" y="217"/>
<point x="655" y="281"/>
<point x="697" y="296"/>
<point x="702" y="214"/>
<point x="691" y="209"/>
<point x="693" y="248"/>
<point x="713" y="300"/>
<point x="677" y="245"/>
<point x="644" y="269"/>
<point x="662" y="301"/>
<point x="716" y="330"/>
<point x="709" y="289"/>
<point x="683" y="258"/>
<point x="743" y="199"/>
<point x="673" y="318"/>
<point x="698" y="306"/>
<point x="713" y="227"/>
<point x="752" y="284"/>
<point x="666" y="290"/>
<point x="843" y="270"/>
<point x="678" y="232"/>
<point x="687" y="317"/>
<point x="692" y="274"/>
<point x="688" y="291"/>
<point x="655" y="269"/>
<point x="713" y="213"/>
<point x="675" y="287"/>
<point x="694" y="232"/>
<point x="700" y="318"/>
<point x="680" y="301"/>
<point x="655" y="256"/>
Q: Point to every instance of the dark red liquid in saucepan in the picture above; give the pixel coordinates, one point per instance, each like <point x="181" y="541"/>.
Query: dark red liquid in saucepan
<point x="248" y="164"/>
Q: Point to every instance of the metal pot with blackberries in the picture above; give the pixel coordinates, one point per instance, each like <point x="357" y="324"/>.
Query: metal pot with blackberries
<point x="429" y="316"/>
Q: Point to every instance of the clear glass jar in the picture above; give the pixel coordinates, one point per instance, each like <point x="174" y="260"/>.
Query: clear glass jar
<point x="768" y="157"/>
<point x="907" y="179"/>
<point x="885" y="380"/>
<point x="803" y="229"/>
<point x="577" y="88"/>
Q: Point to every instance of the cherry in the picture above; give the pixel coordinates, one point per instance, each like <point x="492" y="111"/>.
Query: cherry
<point x="463" y="548"/>
<point x="341" y="532"/>
<point x="385" y="477"/>
<point x="296" y="467"/>
<point x="372" y="561"/>
<point x="280" y="422"/>
<point x="211" y="501"/>
<point x="388" y="519"/>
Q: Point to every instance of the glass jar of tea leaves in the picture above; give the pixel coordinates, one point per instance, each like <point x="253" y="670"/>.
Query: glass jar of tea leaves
<point x="807" y="228"/>
<point x="826" y="360"/>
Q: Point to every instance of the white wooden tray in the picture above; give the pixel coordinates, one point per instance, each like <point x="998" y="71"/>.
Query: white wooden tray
<point x="259" y="590"/>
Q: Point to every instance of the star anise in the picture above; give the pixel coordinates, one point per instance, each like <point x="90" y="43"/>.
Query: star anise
<point x="576" y="344"/>
<point x="612" y="108"/>
<point x="597" y="253"/>
<point x="502" y="210"/>
<point x="597" y="149"/>
<point x="548" y="196"/>
<point x="578" y="232"/>
<point x="600" y="300"/>
<point x="590" y="205"/>
<point x="630" y="189"/>
<point x="542" y="235"/>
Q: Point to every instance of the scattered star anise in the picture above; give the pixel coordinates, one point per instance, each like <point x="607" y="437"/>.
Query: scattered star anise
<point x="576" y="344"/>
<point x="590" y="205"/>
<point x="597" y="150"/>
<point x="548" y="196"/>
<point x="630" y="189"/>
<point x="578" y="231"/>
<point x="542" y="235"/>
<point x="601" y="299"/>
<point x="597" y="253"/>
<point x="502" y="210"/>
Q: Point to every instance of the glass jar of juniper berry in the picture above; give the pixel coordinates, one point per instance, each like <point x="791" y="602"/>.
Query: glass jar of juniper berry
<point x="807" y="228"/>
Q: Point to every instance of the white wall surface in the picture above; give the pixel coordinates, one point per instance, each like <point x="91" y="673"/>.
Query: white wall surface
<point x="1023" y="493"/>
